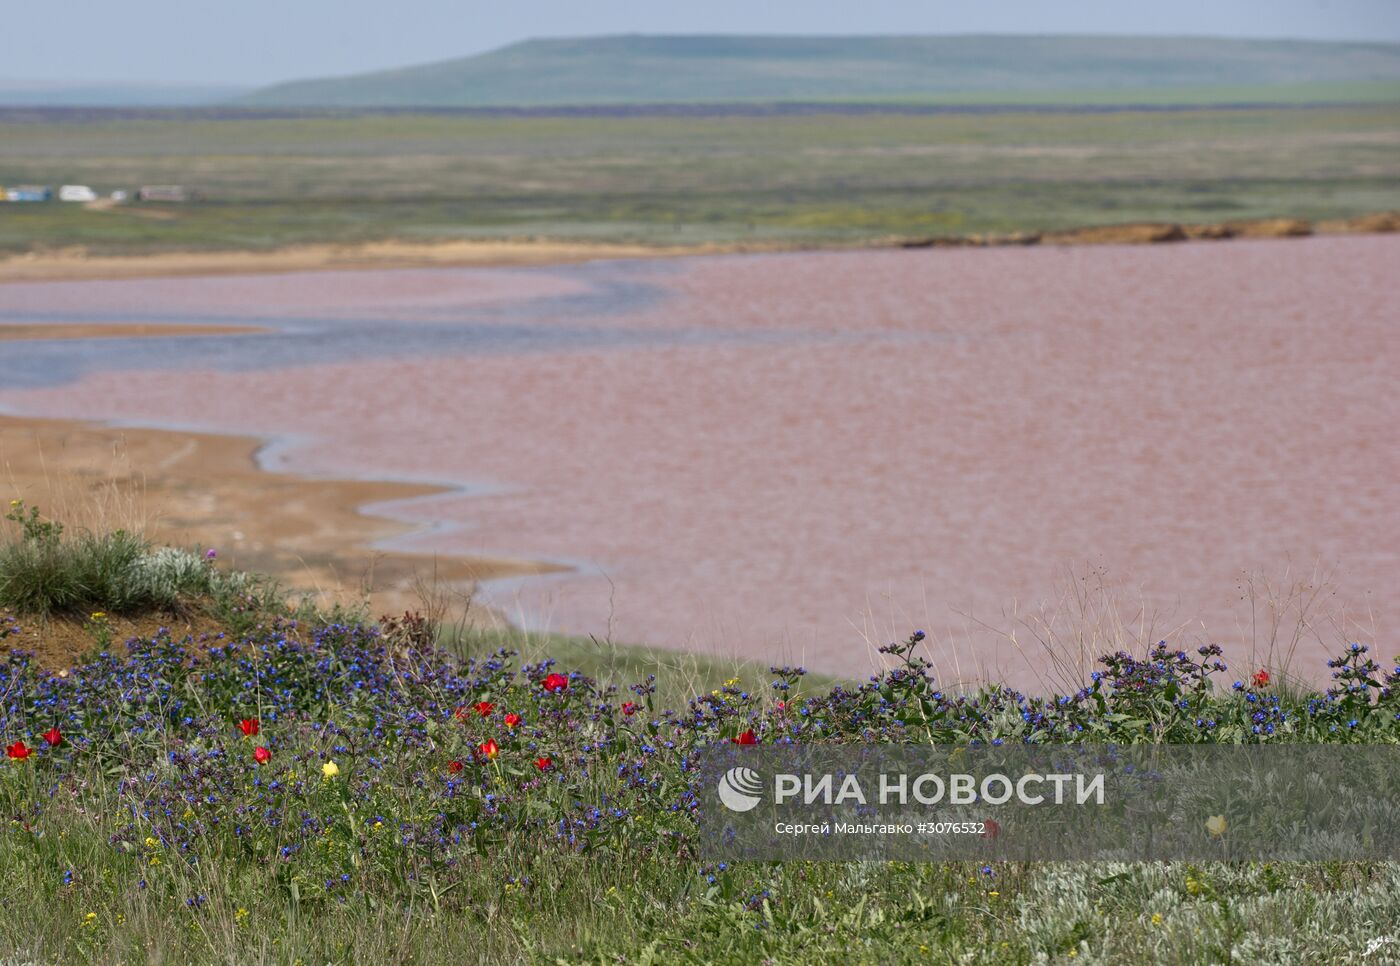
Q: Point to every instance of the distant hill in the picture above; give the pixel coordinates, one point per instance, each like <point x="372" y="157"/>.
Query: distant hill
<point x="1062" y="69"/>
<point x="25" y="93"/>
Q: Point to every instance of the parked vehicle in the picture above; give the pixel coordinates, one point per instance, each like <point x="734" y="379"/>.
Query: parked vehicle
<point x="163" y="192"/>
<point x="76" y="192"/>
<point x="29" y="192"/>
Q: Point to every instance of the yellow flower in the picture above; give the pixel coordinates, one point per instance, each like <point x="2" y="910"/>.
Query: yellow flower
<point x="330" y="769"/>
<point x="1193" y="885"/>
<point x="241" y="916"/>
<point x="14" y="503"/>
<point x="731" y="682"/>
<point x="90" y="920"/>
<point x="1156" y="919"/>
<point x="1216" y="825"/>
<point x="994" y="893"/>
<point x="152" y="843"/>
<point x="98" y="615"/>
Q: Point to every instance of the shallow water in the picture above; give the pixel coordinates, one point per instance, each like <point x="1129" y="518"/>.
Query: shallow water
<point x="796" y="457"/>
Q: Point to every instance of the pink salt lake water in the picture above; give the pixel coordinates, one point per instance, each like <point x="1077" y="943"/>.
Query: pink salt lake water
<point x="798" y="457"/>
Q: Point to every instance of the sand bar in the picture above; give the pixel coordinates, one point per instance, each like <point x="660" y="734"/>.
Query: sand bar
<point x="191" y="489"/>
<point x="80" y="330"/>
<point x="78" y="264"/>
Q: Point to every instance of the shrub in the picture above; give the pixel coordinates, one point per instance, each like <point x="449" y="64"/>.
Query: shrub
<point x="45" y="571"/>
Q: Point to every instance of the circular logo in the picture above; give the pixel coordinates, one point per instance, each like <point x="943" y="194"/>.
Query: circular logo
<point x="740" y="789"/>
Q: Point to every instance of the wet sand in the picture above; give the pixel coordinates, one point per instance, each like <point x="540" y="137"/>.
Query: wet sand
<point x="15" y="333"/>
<point x="798" y="457"/>
<point x="191" y="489"/>
<point x="72" y="264"/>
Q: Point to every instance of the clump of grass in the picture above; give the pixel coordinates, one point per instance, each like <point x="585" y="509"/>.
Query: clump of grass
<point x="47" y="571"/>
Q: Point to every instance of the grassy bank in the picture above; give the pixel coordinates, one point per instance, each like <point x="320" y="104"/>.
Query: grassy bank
<point x="317" y="788"/>
<point x="791" y="179"/>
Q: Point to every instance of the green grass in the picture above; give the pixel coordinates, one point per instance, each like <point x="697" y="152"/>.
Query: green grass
<point x="147" y="857"/>
<point x="620" y="908"/>
<point x="49" y="571"/>
<point x="788" y="180"/>
<point x="679" y="675"/>
<point x="148" y="833"/>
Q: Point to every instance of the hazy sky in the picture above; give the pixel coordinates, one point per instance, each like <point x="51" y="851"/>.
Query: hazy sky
<point x="260" y="41"/>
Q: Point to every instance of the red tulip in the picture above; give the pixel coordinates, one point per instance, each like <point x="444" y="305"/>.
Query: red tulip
<point x="747" y="738"/>
<point x="53" y="736"/>
<point x="249" y="727"/>
<point x="483" y="708"/>
<point x="489" y="748"/>
<point x="454" y="767"/>
<point x="782" y="706"/>
<point x="261" y="755"/>
<point x="544" y="763"/>
<point x="18" y="751"/>
<point x="1261" y="678"/>
<point x="555" y="683"/>
<point x="512" y="720"/>
<point x="990" y="829"/>
<point x="629" y="708"/>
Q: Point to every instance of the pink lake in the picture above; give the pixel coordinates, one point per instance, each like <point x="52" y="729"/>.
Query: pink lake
<point x="796" y="458"/>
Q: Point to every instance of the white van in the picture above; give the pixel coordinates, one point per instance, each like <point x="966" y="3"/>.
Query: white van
<point x="76" y="192"/>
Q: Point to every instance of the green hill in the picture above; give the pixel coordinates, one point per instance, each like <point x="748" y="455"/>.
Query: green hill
<point x="953" y="69"/>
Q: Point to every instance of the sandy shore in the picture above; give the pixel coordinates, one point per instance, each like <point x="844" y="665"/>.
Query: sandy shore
<point x="77" y="263"/>
<point x="78" y="330"/>
<point x="189" y="489"/>
<point x="69" y="264"/>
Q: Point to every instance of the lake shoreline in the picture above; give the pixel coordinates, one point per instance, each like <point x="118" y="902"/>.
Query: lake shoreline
<point x="75" y="264"/>
<point x="317" y="536"/>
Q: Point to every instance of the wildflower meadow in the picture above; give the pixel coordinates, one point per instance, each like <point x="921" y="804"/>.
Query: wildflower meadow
<point x="318" y="789"/>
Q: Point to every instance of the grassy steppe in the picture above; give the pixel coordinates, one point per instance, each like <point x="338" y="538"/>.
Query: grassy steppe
<point x="785" y="179"/>
<point x="313" y="788"/>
